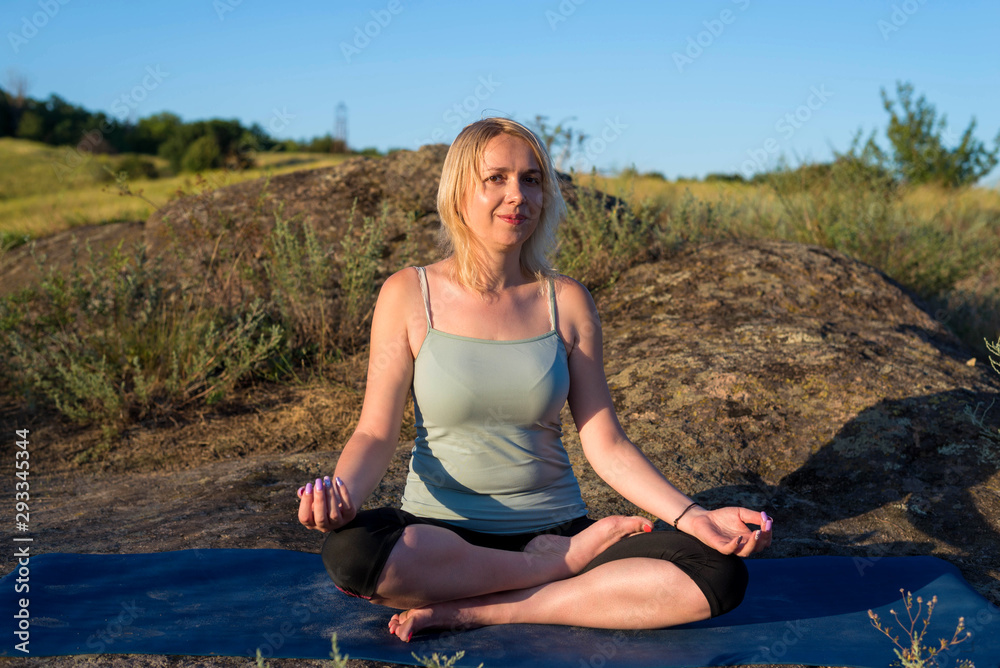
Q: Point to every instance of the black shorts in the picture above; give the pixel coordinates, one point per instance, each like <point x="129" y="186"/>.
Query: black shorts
<point x="355" y="554"/>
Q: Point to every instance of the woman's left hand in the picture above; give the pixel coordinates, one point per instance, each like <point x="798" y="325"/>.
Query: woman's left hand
<point x="727" y="530"/>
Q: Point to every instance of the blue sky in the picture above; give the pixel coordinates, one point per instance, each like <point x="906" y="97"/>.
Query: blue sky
<point x="680" y="88"/>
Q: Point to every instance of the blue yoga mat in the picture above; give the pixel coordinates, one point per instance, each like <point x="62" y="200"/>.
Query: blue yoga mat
<point x="810" y="610"/>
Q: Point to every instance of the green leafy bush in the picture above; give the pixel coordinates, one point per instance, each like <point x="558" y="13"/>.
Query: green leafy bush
<point x="362" y="248"/>
<point x="919" y="140"/>
<point x="202" y="154"/>
<point x="602" y="237"/>
<point x="137" y="167"/>
<point x="300" y="275"/>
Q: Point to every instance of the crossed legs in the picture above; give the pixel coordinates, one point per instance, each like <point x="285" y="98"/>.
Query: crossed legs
<point x="637" y="593"/>
<point x="445" y="582"/>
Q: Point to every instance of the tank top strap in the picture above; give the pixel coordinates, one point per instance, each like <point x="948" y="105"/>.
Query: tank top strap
<point x="422" y="274"/>
<point x="552" y="303"/>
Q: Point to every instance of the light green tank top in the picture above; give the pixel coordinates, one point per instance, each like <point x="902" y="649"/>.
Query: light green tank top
<point x="488" y="455"/>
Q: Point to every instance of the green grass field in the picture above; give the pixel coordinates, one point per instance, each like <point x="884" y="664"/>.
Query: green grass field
<point x="46" y="189"/>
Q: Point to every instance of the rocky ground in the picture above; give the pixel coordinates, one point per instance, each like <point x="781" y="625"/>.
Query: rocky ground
<point x="774" y="375"/>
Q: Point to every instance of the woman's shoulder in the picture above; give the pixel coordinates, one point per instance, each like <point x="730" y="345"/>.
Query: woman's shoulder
<point x="571" y="294"/>
<point x="401" y="289"/>
<point x="576" y="314"/>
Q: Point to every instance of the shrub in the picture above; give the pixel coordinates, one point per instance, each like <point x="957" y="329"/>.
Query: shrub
<point x="118" y="342"/>
<point x="919" y="144"/>
<point x="137" y="167"/>
<point x="602" y="237"/>
<point x="300" y="272"/>
<point x="362" y="248"/>
<point x="202" y="154"/>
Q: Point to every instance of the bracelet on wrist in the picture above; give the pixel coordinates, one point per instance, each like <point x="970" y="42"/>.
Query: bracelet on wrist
<point x="683" y="512"/>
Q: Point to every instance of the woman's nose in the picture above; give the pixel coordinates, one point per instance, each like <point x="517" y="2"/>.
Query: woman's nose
<point x="515" y="192"/>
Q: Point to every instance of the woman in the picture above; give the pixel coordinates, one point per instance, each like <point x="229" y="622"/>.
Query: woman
<point x="492" y="527"/>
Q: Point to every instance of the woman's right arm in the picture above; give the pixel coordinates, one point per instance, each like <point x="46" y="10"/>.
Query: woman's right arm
<point x="367" y="453"/>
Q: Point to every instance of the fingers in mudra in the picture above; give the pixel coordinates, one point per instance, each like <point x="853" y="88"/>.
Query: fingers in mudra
<point x="325" y="505"/>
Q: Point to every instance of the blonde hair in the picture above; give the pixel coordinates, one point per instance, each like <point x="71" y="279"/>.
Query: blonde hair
<point x="461" y="171"/>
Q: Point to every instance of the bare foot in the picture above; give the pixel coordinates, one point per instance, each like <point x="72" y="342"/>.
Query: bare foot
<point x="575" y="552"/>
<point x="439" y="616"/>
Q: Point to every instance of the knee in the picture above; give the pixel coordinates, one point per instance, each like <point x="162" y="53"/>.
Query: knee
<point x="727" y="581"/>
<point x="342" y="565"/>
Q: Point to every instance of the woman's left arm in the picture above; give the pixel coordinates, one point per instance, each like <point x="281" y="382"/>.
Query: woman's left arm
<point x="617" y="460"/>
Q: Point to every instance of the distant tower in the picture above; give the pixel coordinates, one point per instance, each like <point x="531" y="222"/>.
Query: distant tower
<point x="340" y="124"/>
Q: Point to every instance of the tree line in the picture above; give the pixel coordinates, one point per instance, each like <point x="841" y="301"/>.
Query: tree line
<point x="187" y="146"/>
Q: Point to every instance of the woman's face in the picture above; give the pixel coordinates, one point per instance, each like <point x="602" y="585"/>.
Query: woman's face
<point x="503" y="206"/>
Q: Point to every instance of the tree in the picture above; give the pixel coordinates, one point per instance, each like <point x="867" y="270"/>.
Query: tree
<point x="16" y="96"/>
<point x="561" y="137"/>
<point x="918" y="138"/>
<point x="326" y="144"/>
<point x="7" y="126"/>
<point x="202" y="154"/>
<point x="154" y="131"/>
<point x="31" y="126"/>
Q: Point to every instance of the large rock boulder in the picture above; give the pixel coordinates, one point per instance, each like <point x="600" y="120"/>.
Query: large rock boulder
<point x="401" y="186"/>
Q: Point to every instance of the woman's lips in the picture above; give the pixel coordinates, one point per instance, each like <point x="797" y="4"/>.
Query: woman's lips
<point x="513" y="220"/>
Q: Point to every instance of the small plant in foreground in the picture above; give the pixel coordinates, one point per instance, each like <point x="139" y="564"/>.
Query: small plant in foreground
<point x="435" y="661"/>
<point x="994" y="349"/>
<point x="917" y="655"/>
<point x="974" y="415"/>
<point x="337" y="661"/>
<point x="335" y="657"/>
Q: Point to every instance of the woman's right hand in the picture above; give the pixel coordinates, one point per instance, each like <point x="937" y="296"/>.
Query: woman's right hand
<point x="325" y="505"/>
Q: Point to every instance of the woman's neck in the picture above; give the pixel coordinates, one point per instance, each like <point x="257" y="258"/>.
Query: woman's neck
<point x="501" y="271"/>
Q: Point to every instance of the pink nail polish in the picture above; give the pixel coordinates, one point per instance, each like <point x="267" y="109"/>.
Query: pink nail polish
<point x="301" y="491"/>
<point x="308" y="488"/>
<point x="647" y="528"/>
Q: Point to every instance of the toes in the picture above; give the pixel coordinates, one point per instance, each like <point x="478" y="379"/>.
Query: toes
<point x="396" y="623"/>
<point x="642" y="524"/>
